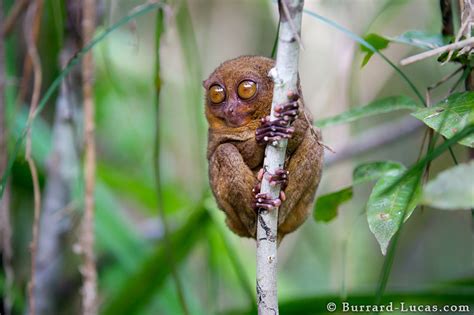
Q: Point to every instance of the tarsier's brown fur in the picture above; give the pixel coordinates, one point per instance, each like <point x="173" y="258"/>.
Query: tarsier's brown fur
<point x="235" y="157"/>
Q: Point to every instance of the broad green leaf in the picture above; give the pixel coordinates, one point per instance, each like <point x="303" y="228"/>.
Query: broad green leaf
<point x="381" y="106"/>
<point x="386" y="210"/>
<point x="413" y="38"/>
<point x="430" y="156"/>
<point x="326" y="205"/>
<point x="450" y="116"/>
<point x="374" y="170"/>
<point x="452" y="189"/>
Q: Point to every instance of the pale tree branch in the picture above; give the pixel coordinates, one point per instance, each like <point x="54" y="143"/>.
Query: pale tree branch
<point x="89" y="272"/>
<point x="284" y="75"/>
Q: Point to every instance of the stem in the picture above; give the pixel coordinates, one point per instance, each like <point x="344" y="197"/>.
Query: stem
<point x="31" y="30"/>
<point x="284" y="75"/>
<point x="160" y="25"/>
<point x="89" y="290"/>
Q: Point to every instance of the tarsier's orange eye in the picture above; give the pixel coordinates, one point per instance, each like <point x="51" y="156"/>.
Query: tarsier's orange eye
<point x="247" y="89"/>
<point x="216" y="94"/>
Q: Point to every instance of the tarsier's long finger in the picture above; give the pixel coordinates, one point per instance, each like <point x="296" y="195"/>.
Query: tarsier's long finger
<point x="279" y="178"/>
<point x="264" y="201"/>
<point x="271" y="133"/>
<point x="274" y="135"/>
<point x="266" y="129"/>
<point x="266" y="122"/>
<point x="287" y="112"/>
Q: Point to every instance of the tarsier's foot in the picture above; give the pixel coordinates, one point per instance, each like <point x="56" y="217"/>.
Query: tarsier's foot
<point x="275" y="130"/>
<point x="279" y="178"/>
<point x="264" y="201"/>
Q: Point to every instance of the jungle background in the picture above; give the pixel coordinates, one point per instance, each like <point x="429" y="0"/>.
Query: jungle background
<point x="150" y="128"/>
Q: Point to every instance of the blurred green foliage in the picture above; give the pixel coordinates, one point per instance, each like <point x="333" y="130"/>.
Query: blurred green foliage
<point x="323" y="262"/>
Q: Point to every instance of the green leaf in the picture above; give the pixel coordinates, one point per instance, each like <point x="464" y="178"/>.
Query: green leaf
<point x="452" y="189"/>
<point x="326" y="205"/>
<point x="381" y="106"/>
<point x="377" y="42"/>
<point x="433" y="154"/>
<point x="374" y="170"/>
<point x="450" y="116"/>
<point x="420" y="39"/>
<point x="413" y="38"/>
<point x="386" y="210"/>
<point x="151" y="275"/>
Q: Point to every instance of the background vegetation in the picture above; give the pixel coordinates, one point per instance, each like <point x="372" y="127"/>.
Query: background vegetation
<point x="148" y="75"/>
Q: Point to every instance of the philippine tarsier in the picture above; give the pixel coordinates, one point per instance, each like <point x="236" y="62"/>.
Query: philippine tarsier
<point x="238" y="102"/>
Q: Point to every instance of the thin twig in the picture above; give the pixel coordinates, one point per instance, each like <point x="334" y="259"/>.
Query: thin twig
<point x="28" y="63"/>
<point x="437" y="51"/>
<point x="15" y="13"/>
<point x="444" y="79"/>
<point x="89" y="290"/>
<point x="33" y="12"/>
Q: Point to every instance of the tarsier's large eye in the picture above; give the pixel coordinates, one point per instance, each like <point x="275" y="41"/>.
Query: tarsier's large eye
<point x="216" y="94"/>
<point x="247" y="89"/>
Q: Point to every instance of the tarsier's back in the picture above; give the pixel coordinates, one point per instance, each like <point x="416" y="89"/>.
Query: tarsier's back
<point x="238" y="101"/>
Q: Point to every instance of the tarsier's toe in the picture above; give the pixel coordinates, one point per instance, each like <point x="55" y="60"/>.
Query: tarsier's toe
<point x="265" y="202"/>
<point x="279" y="178"/>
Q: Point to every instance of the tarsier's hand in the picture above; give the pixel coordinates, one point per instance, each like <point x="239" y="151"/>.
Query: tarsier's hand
<point x="272" y="131"/>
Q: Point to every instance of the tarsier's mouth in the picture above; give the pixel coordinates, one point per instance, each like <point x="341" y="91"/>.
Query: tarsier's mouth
<point x="237" y="120"/>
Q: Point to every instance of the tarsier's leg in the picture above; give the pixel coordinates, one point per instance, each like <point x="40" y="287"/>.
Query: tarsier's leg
<point x="232" y="183"/>
<point x="304" y="168"/>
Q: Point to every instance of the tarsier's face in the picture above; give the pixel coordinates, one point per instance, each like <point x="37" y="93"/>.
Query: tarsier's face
<point x="238" y="90"/>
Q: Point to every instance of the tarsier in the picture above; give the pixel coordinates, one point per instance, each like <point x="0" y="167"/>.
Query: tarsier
<point x="238" y="101"/>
